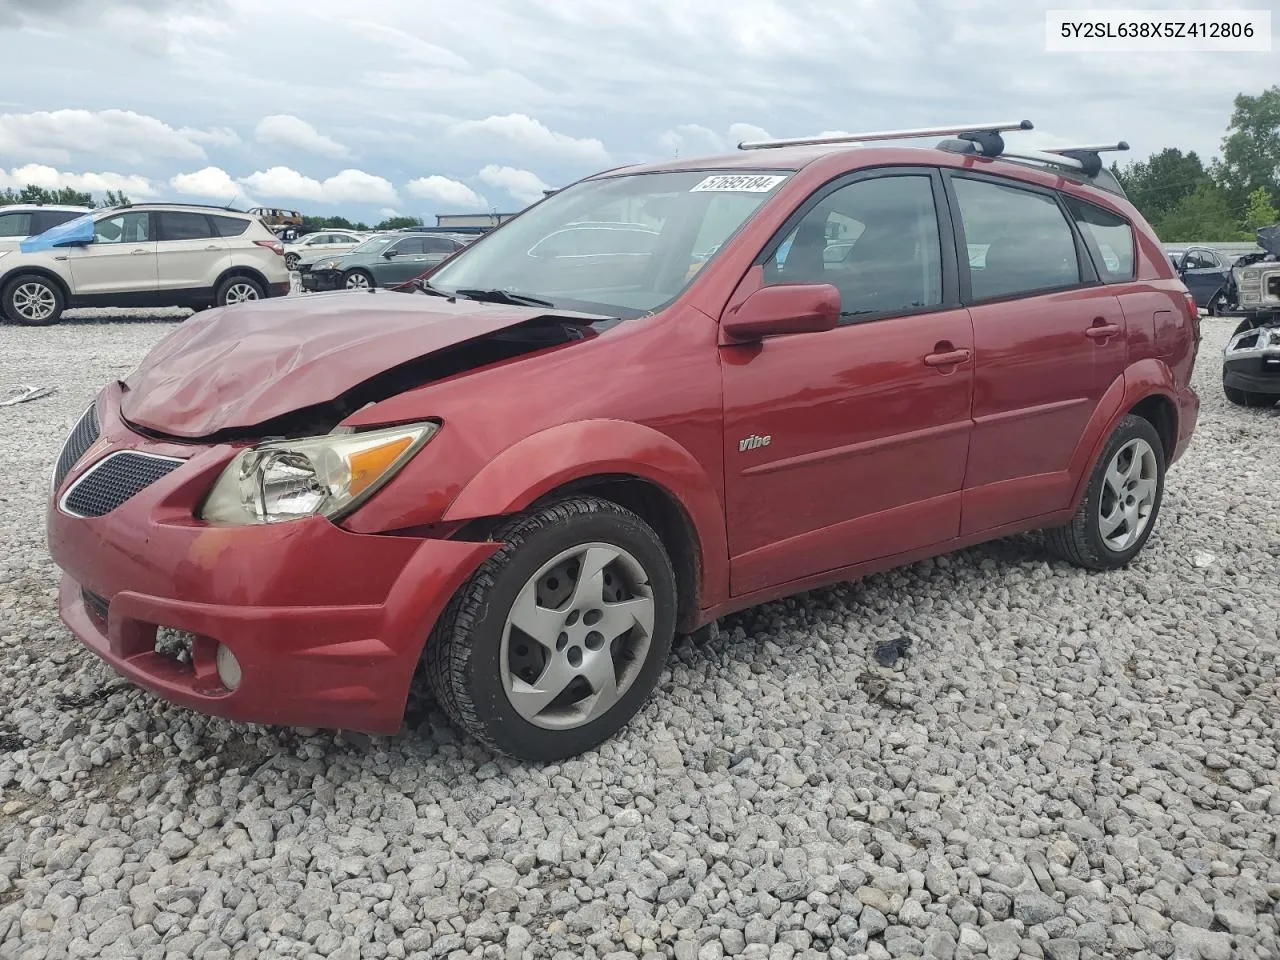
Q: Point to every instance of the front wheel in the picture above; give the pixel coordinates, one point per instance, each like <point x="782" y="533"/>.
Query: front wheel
<point x="291" y="261"/>
<point x="33" y="301"/>
<point x="357" y="280"/>
<point x="238" y="290"/>
<point x="560" y="636"/>
<point x="1121" y="503"/>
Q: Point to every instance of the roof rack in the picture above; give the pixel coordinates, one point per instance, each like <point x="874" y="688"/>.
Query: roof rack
<point x="988" y="132"/>
<point x="1083" y="159"/>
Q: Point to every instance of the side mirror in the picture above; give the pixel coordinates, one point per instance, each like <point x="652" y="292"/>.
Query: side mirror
<point x="783" y="309"/>
<point x="388" y="255"/>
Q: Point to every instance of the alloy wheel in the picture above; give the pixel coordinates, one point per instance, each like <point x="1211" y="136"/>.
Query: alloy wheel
<point x="241" y="292"/>
<point x="577" y="636"/>
<point x="34" y="302"/>
<point x="357" y="281"/>
<point x="1128" y="495"/>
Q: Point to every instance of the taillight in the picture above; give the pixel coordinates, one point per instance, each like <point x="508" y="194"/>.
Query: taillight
<point x="1193" y="314"/>
<point x="275" y="246"/>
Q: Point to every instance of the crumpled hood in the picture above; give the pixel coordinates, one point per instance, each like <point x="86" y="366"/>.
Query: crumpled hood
<point x="240" y="366"/>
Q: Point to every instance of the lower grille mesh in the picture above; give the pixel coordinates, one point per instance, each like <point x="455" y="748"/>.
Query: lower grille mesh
<point x="81" y="438"/>
<point x="112" y="481"/>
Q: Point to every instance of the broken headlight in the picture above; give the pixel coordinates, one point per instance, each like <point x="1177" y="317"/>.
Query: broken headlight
<point x="316" y="476"/>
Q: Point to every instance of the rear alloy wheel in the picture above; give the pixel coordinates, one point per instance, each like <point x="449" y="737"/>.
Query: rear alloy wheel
<point x="33" y="301"/>
<point x="559" y="637"/>
<point x="357" y="280"/>
<point x="1121" y="503"/>
<point x="291" y="261"/>
<point x="235" y="290"/>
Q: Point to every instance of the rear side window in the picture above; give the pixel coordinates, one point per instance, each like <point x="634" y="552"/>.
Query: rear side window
<point x="42" y="220"/>
<point x="1019" y="241"/>
<point x="1110" y="236"/>
<point x="229" y="226"/>
<point x="411" y="245"/>
<point x="439" y="245"/>
<point x="184" y="226"/>
<point x="15" y="224"/>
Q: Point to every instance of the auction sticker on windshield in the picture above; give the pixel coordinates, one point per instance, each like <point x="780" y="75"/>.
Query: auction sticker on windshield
<point x="738" y="183"/>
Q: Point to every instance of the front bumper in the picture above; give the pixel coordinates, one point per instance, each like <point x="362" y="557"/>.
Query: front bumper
<point x="314" y="280"/>
<point x="1251" y="361"/>
<point x="327" y="625"/>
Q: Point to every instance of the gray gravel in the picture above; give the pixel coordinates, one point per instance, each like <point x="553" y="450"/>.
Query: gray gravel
<point x="1065" y="766"/>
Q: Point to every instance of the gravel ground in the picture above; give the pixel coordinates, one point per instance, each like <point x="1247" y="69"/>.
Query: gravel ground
<point x="1066" y="766"/>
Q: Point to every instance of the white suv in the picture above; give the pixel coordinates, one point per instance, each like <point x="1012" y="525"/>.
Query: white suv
<point x="324" y="243"/>
<point x="21" y="220"/>
<point x="144" y="255"/>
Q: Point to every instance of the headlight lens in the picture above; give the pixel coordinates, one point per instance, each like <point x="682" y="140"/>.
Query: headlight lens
<point x="317" y="476"/>
<point x="326" y="265"/>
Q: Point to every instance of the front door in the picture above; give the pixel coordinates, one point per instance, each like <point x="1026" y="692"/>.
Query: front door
<point x="190" y="255"/>
<point x="119" y="267"/>
<point x="1050" y="340"/>
<point x="1204" y="273"/>
<point x="403" y="261"/>
<point x="850" y="445"/>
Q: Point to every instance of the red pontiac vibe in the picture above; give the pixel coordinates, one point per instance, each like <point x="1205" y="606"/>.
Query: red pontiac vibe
<point x="660" y="395"/>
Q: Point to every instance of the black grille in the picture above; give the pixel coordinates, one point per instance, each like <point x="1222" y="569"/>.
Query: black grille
<point x="99" y="606"/>
<point x="114" y="480"/>
<point x="81" y="438"/>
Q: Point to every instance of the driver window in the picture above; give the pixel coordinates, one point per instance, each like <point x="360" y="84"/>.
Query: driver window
<point x="876" y="240"/>
<point x="123" y="228"/>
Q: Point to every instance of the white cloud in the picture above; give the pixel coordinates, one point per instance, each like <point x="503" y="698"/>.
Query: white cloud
<point x="738" y="132"/>
<point x="446" y="192"/>
<point x="386" y="213"/>
<point x="95" y="183"/>
<point x="692" y="139"/>
<point x="214" y="137"/>
<point x="288" y="131"/>
<point x="525" y="133"/>
<point x="524" y="185"/>
<point x="347" y="186"/>
<point x="54" y="136"/>
<point x="209" y="182"/>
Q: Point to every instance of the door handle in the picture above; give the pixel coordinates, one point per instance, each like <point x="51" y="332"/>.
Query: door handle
<point x="213" y="246"/>
<point x="947" y="359"/>
<point x="1102" y="331"/>
<point x="137" y="252"/>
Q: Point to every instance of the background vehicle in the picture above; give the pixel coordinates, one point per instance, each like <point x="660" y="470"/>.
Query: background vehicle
<point x="546" y="471"/>
<point x="277" y="216"/>
<point x="21" y="220"/>
<point x="1208" y="276"/>
<point x="325" y="243"/>
<point x="382" y="261"/>
<point x="1251" y="365"/>
<point x="143" y="255"/>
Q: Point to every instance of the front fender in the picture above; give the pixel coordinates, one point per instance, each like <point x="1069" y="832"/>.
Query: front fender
<point x="1145" y="378"/>
<point x="544" y="461"/>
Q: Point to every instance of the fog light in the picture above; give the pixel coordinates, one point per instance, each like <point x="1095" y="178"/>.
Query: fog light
<point x="228" y="668"/>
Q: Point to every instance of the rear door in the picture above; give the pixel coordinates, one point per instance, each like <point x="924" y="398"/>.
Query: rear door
<point x="189" y="252"/>
<point x="119" y="267"/>
<point x="1049" y="338"/>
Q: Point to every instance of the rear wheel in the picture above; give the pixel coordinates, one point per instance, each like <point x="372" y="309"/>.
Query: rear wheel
<point x="235" y="290"/>
<point x="1120" y="504"/>
<point x="357" y="280"/>
<point x="33" y="300"/>
<point x="559" y="637"/>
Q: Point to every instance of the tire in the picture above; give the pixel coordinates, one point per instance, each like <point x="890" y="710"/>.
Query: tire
<point x="1082" y="541"/>
<point x="238" y="289"/>
<point x="291" y="261"/>
<point x="357" y="280"/>
<point x="33" y="301"/>
<point x="1247" y="398"/>
<point x="476" y="654"/>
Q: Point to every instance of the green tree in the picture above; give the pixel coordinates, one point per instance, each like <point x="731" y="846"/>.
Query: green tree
<point x="1251" y="149"/>
<point x="33" y="194"/>
<point x="1203" y="216"/>
<point x="114" y="198"/>
<point x="399" y="223"/>
<point x="1158" y="184"/>
<point x="1260" y="212"/>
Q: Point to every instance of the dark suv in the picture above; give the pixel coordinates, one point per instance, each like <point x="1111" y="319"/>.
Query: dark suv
<point x="529" y="475"/>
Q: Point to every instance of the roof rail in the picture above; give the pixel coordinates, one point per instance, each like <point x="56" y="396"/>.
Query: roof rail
<point x="1084" y="159"/>
<point x="987" y="131"/>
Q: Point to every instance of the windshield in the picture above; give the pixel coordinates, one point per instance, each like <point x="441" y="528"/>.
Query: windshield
<point x="622" y="245"/>
<point x="372" y="245"/>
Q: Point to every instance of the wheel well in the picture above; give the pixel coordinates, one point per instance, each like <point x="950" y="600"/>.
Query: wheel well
<point x="40" y="272"/>
<point x="658" y="508"/>
<point x="249" y="272"/>
<point x="1161" y="414"/>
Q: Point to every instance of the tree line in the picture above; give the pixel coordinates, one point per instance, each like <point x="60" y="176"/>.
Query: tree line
<point x="64" y="196"/>
<point x="1229" y="199"/>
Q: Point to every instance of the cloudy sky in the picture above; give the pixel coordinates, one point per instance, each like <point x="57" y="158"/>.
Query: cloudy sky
<point x="364" y="107"/>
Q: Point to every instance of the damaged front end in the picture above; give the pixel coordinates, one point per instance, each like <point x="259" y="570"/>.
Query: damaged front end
<point x="1256" y="279"/>
<point x="1251" y="361"/>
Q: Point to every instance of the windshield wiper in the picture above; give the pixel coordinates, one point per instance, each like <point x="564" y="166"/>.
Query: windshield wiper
<point x="426" y="287"/>
<point x="504" y="296"/>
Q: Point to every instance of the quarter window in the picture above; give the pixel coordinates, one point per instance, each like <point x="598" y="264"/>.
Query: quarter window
<point x="876" y="240"/>
<point x="229" y="226"/>
<point x="1111" y="235"/>
<point x="1019" y="241"/>
<point x="15" y="224"/>
<point x="123" y="228"/>
<point x="184" y="226"/>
